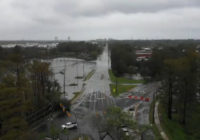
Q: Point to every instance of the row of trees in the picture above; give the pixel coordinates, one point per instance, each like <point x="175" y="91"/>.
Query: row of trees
<point x="123" y="59"/>
<point x="84" y="50"/>
<point x="181" y="84"/>
<point x="80" y="49"/>
<point x="179" y="70"/>
<point x="28" y="52"/>
<point x="25" y="87"/>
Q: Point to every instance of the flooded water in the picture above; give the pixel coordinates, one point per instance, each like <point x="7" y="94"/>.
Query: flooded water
<point x="73" y="68"/>
<point x="99" y="82"/>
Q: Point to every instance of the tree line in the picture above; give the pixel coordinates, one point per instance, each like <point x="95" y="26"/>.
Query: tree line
<point x="180" y="76"/>
<point x="123" y="58"/>
<point x="81" y="49"/>
<point x="84" y="50"/>
<point x="25" y="87"/>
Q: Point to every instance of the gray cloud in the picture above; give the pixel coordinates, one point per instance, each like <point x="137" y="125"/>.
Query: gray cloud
<point x="87" y="19"/>
<point x="101" y="7"/>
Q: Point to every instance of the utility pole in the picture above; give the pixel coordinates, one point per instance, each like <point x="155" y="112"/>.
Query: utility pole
<point x="83" y="70"/>
<point x="64" y="78"/>
<point x="108" y="57"/>
<point x="77" y="71"/>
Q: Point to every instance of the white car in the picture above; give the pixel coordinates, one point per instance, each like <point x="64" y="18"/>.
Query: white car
<point x="69" y="125"/>
<point x="124" y="129"/>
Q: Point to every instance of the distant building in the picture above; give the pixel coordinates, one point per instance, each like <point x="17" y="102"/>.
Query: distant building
<point x="143" y="54"/>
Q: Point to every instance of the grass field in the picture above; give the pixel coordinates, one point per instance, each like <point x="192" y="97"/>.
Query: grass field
<point x="121" y="80"/>
<point x="120" y="89"/>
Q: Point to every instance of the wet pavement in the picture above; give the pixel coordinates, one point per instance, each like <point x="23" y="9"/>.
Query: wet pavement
<point x="100" y="80"/>
<point x="95" y="98"/>
<point x="143" y="107"/>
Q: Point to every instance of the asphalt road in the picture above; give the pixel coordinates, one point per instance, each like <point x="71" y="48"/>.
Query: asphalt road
<point x="143" y="107"/>
<point x="100" y="80"/>
<point x="95" y="99"/>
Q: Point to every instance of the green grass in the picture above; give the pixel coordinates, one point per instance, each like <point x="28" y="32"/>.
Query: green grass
<point x="76" y="95"/>
<point x="120" y="89"/>
<point x="122" y="80"/>
<point x="172" y="128"/>
<point x="89" y="75"/>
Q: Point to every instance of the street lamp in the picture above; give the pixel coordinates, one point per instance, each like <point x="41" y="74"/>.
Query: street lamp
<point x="63" y="73"/>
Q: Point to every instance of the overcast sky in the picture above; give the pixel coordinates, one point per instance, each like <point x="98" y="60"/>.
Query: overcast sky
<point x="91" y="19"/>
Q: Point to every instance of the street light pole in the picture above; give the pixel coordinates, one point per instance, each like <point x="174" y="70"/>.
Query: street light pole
<point x="64" y="78"/>
<point x="83" y="70"/>
<point x="77" y="72"/>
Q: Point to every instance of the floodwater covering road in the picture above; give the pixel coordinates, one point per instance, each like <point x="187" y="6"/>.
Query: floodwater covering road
<point x="74" y="68"/>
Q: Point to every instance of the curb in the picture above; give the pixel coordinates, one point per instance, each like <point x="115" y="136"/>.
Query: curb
<point x="157" y="122"/>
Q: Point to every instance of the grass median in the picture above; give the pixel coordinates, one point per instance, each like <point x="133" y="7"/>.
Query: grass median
<point x="76" y="95"/>
<point x="122" y="80"/>
<point x="89" y="75"/>
<point x="120" y="89"/>
<point x="123" y="84"/>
